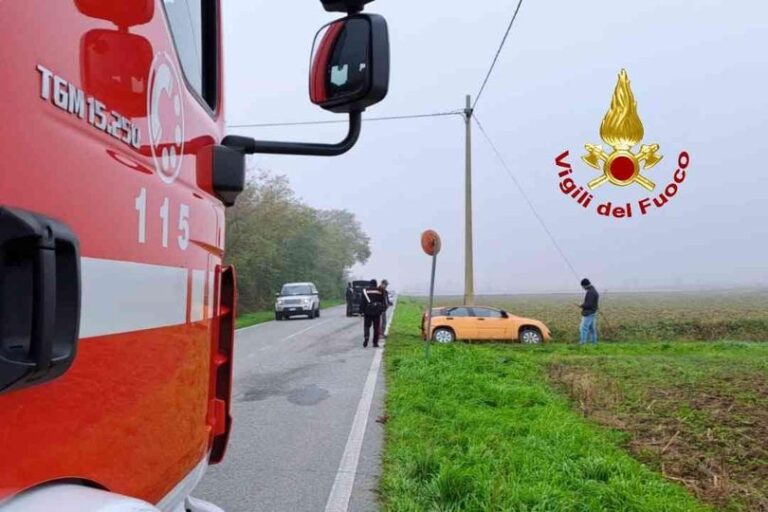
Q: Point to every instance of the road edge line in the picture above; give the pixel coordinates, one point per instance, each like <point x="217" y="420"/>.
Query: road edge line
<point x="341" y="492"/>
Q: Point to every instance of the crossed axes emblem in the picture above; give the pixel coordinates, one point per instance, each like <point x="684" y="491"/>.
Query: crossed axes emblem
<point x="622" y="167"/>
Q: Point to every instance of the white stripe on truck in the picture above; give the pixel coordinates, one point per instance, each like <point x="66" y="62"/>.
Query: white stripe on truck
<point x="124" y="296"/>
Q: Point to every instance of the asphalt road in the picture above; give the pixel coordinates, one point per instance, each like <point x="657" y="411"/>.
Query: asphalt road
<point x="298" y="384"/>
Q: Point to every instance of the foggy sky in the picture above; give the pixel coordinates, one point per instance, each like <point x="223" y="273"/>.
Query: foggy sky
<point x="698" y="71"/>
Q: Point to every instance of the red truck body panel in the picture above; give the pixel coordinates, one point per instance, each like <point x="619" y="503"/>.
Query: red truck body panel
<point x="132" y="413"/>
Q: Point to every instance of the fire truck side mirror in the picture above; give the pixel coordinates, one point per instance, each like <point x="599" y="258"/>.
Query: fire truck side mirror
<point x="349" y="72"/>
<point x="350" y="64"/>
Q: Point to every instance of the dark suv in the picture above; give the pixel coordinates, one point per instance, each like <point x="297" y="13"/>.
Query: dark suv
<point x="353" y="304"/>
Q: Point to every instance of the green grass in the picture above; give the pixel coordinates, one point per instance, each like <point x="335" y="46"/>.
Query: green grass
<point x="492" y="428"/>
<point x="259" y="317"/>
<point x="249" y="319"/>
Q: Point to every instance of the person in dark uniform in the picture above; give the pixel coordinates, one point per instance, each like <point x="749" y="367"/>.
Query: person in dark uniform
<point x="387" y="304"/>
<point x="588" y="327"/>
<point x="372" y="307"/>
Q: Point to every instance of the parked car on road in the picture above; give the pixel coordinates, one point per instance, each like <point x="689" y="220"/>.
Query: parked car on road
<point x="353" y="305"/>
<point x="297" y="299"/>
<point x="453" y="323"/>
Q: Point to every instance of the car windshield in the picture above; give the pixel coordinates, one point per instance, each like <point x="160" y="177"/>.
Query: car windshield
<point x="296" y="289"/>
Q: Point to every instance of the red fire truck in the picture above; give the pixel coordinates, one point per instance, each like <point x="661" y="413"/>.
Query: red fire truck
<point x="116" y="313"/>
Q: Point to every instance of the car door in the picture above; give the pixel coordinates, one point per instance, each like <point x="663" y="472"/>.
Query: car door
<point x="460" y="320"/>
<point x="490" y="323"/>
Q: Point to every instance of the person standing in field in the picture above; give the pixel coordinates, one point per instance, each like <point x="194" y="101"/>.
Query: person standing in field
<point x="588" y="328"/>
<point x="387" y="303"/>
<point x="372" y="307"/>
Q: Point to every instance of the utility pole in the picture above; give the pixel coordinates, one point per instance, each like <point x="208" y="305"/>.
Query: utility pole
<point x="469" y="279"/>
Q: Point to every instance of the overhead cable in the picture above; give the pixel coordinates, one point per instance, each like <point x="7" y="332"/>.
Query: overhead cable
<point x="525" y="197"/>
<point x="335" y="121"/>
<point x="498" y="52"/>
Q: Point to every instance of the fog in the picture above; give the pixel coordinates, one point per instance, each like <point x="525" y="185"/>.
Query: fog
<point x="698" y="72"/>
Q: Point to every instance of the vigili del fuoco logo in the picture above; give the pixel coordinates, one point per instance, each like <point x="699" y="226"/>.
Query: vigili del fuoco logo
<point x="622" y="130"/>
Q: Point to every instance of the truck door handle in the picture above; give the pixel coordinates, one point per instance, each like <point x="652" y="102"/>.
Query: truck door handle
<point x="481" y="319"/>
<point x="39" y="298"/>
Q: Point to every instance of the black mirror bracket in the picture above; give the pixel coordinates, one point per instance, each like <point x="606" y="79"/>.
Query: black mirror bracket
<point x="250" y="146"/>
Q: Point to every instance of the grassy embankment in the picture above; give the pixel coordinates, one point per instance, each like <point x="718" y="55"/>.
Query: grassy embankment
<point x="641" y="426"/>
<point x="259" y="317"/>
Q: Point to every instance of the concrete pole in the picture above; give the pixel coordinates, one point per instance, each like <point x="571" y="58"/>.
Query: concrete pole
<point x="469" y="279"/>
<point x="429" y="310"/>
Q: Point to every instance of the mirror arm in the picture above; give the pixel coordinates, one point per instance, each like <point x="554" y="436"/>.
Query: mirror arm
<point x="251" y="146"/>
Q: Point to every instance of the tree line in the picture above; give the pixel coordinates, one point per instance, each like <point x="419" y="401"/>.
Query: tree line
<point x="274" y="238"/>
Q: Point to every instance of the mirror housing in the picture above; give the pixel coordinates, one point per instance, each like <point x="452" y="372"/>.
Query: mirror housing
<point x="122" y="14"/>
<point x="350" y="64"/>
<point x="504" y="314"/>
<point x="370" y="85"/>
<point x="350" y="6"/>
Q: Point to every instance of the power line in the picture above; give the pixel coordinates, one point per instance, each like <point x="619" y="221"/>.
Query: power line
<point x="498" y="52"/>
<point x="336" y="121"/>
<point x="525" y="197"/>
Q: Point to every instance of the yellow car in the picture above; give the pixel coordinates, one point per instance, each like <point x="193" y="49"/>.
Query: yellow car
<point x="483" y="323"/>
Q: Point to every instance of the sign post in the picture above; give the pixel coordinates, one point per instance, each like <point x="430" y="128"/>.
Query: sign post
<point x="431" y="244"/>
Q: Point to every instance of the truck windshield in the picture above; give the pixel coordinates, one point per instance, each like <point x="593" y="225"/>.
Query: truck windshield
<point x="296" y="289"/>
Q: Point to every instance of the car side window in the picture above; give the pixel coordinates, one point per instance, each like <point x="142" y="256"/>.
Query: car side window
<point x="487" y="313"/>
<point x="459" y="312"/>
<point x="193" y="26"/>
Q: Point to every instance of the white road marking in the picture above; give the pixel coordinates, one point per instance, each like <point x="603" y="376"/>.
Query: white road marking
<point x="307" y="329"/>
<point x="338" y="500"/>
<point x="270" y="346"/>
<point x="241" y="329"/>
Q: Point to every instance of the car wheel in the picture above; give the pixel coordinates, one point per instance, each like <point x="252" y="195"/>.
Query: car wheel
<point x="530" y="336"/>
<point x="317" y="312"/>
<point x="443" y="335"/>
<point x="278" y="316"/>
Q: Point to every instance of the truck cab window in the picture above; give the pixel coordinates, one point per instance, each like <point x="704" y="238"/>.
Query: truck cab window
<point x="193" y="25"/>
